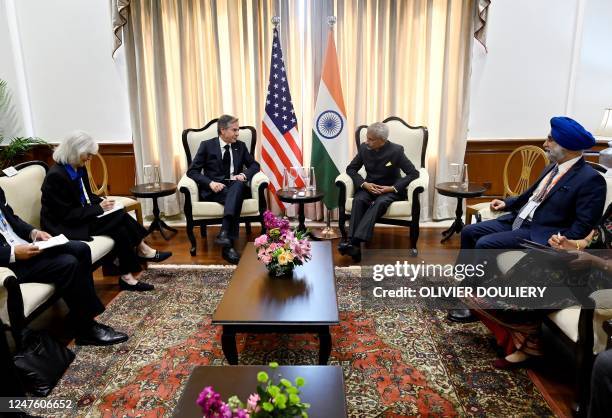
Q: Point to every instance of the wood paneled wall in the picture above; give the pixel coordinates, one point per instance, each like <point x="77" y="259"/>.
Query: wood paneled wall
<point x="119" y="159"/>
<point x="485" y="159"/>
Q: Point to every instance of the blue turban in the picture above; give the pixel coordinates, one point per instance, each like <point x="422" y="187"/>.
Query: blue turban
<point x="570" y="134"/>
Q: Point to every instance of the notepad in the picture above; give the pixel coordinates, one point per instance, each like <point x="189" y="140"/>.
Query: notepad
<point x="51" y="242"/>
<point x="117" y="206"/>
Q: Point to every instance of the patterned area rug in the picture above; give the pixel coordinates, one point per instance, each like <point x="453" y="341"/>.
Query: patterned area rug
<point x="396" y="362"/>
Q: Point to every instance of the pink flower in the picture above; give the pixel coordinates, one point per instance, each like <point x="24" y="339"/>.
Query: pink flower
<point x="266" y="259"/>
<point x="261" y="240"/>
<point x="252" y="403"/>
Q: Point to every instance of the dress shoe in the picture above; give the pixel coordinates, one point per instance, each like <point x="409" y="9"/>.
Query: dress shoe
<point x="503" y="364"/>
<point x="138" y="287"/>
<point x="99" y="334"/>
<point x="158" y="257"/>
<point x="223" y="239"/>
<point x="354" y="251"/>
<point x="461" y="315"/>
<point x="230" y="255"/>
<point x="343" y="247"/>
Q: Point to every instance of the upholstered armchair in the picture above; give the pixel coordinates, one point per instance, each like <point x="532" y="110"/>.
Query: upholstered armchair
<point x="405" y="212"/>
<point x="581" y="328"/>
<point x="201" y="214"/>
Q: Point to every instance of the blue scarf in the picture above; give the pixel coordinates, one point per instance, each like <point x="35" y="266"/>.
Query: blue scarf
<point x="77" y="176"/>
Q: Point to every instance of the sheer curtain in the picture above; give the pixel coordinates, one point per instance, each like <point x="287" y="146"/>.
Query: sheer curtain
<point x="189" y="61"/>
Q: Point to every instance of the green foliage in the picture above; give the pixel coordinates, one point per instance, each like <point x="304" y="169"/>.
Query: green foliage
<point x="17" y="148"/>
<point x="279" y="400"/>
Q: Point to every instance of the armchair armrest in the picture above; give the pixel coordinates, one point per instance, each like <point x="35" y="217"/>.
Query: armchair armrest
<point x="188" y="184"/>
<point x="607" y="326"/>
<point x="5" y="273"/>
<point x="344" y="179"/>
<point x="257" y="180"/>
<point x="419" y="185"/>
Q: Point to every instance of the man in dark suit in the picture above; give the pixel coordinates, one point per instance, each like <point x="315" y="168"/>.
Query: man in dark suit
<point x="567" y="199"/>
<point x="222" y="169"/>
<point x="382" y="186"/>
<point x="67" y="266"/>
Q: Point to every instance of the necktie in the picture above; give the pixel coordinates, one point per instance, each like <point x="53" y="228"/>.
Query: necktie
<point x="518" y="221"/>
<point x="226" y="162"/>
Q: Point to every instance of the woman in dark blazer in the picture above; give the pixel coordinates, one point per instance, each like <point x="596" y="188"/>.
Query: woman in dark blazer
<point x="69" y="207"/>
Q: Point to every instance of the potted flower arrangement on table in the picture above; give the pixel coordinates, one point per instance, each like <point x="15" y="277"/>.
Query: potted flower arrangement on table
<point x="280" y="249"/>
<point x="271" y="400"/>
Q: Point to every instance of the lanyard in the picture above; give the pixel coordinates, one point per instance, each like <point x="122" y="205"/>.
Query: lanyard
<point x="85" y="192"/>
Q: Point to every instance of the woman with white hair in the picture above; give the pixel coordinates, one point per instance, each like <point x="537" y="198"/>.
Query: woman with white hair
<point x="69" y="207"/>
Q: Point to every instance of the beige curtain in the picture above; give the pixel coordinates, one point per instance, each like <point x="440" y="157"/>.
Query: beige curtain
<point x="189" y="61"/>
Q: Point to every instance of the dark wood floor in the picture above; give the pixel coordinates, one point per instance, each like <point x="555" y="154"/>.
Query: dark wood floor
<point x="555" y="386"/>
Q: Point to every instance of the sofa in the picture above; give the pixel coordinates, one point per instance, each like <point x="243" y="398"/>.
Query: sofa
<point x="21" y="303"/>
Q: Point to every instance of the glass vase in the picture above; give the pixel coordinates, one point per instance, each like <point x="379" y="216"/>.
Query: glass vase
<point x="281" y="272"/>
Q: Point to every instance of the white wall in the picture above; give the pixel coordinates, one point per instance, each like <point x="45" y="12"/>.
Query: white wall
<point x="531" y="73"/>
<point x="72" y="81"/>
<point x="593" y="88"/>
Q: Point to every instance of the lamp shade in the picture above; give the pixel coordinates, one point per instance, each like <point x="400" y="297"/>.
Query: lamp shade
<point x="606" y="124"/>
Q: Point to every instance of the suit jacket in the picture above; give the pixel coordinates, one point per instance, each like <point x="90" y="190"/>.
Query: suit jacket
<point x="572" y="207"/>
<point x="62" y="211"/>
<point x="207" y="165"/>
<point x="21" y="228"/>
<point x="383" y="167"/>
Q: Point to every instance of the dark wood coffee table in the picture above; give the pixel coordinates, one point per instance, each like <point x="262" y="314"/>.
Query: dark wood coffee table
<point x="257" y="303"/>
<point x="324" y="388"/>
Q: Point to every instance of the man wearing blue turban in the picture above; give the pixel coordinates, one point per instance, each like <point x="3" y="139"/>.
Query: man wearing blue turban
<point x="568" y="198"/>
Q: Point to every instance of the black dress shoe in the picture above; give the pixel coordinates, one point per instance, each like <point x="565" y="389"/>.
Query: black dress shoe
<point x="223" y="239"/>
<point x="343" y="247"/>
<point x="99" y="334"/>
<point x="230" y="255"/>
<point x="159" y="256"/>
<point x="461" y="315"/>
<point x="354" y="251"/>
<point x="138" y="287"/>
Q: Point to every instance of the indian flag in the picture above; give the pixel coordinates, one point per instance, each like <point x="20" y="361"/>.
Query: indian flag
<point x="329" y="133"/>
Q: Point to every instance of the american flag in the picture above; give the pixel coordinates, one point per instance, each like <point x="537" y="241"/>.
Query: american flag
<point x="282" y="145"/>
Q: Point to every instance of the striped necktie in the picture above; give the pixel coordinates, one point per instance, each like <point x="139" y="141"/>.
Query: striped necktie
<point x="518" y="221"/>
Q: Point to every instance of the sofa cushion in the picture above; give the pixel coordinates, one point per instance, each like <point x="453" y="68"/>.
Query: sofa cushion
<point x="100" y="246"/>
<point x="202" y="210"/>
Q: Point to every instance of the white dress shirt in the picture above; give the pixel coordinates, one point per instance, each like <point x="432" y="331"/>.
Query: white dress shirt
<point x="11" y="237"/>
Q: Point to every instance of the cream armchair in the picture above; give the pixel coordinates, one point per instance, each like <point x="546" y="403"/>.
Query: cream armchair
<point x="201" y="214"/>
<point x="405" y="212"/>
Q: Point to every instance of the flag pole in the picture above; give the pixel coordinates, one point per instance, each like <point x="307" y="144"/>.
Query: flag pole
<point x="328" y="232"/>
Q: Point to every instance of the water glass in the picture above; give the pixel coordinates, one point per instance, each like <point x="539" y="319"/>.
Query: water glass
<point x="455" y="173"/>
<point x="311" y="184"/>
<point x="152" y="176"/>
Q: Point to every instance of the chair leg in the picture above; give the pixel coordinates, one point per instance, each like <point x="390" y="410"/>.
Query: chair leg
<point x="414" y="237"/>
<point x="138" y="211"/>
<point x="191" y="237"/>
<point x="341" y="221"/>
<point x="203" y="231"/>
<point x="247" y="227"/>
<point x="468" y="217"/>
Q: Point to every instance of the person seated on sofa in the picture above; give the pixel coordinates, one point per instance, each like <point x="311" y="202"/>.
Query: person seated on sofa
<point x="567" y="199"/>
<point x="382" y="186"/>
<point x="222" y="168"/>
<point x="67" y="266"/>
<point x="70" y="208"/>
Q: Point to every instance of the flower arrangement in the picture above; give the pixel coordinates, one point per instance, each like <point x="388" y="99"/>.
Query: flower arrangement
<point x="270" y="401"/>
<point x="281" y="249"/>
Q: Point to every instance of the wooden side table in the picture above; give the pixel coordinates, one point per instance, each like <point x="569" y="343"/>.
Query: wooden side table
<point x="294" y="197"/>
<point x="152" y="191"/>
<point x="453" y="189"/>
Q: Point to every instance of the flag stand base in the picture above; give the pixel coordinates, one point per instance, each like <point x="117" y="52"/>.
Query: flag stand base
<point x="325" y="233"/>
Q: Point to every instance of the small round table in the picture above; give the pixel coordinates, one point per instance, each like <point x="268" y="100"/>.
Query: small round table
<point x="300" y="198"/>
<point x="152" y="191"/>
<point x="459" y="191"/>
